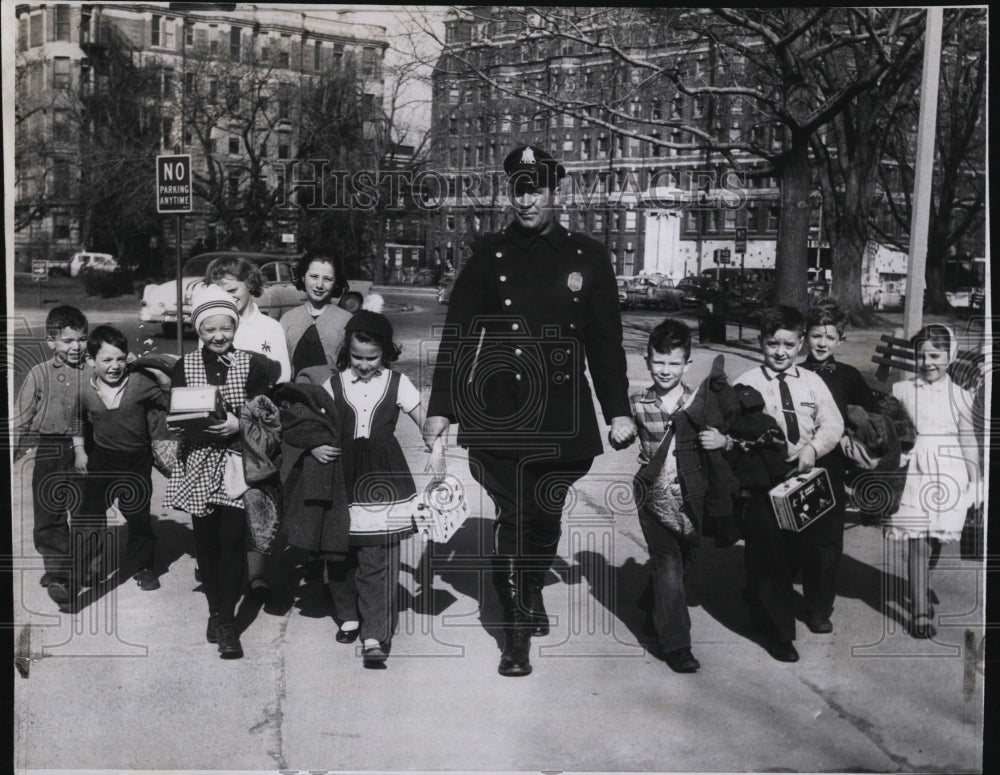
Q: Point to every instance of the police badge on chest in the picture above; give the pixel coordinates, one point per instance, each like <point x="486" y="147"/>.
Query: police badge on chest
<point x="574" y="282"/>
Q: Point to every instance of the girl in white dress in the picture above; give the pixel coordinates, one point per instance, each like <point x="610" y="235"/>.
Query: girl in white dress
<point x="942" y="475"/>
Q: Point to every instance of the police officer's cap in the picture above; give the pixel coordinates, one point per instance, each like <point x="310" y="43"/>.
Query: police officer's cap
<point x="529" y="163"/>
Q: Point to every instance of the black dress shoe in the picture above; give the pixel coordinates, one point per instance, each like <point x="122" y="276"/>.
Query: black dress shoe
<point x="514" y="661"/>
<point x="374" y="657"/>
<point x="819" y="624"/>
<point x="212" y="630"/>
<point x="147" y="580"/>
<point x="783" y="651"/>
<point x="61" y="592"/>
<point x="229" y="642"/>
<point x="681" y="661"/>
<point x="347" y="636"/>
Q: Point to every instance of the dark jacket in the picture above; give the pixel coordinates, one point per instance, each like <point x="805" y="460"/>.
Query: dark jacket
<point x="707" y="483"/>
<point x="528" y="315"/>
<point x="260" y="434"/>
<point x="316" y="514"/>
<point x="758" y="456"/>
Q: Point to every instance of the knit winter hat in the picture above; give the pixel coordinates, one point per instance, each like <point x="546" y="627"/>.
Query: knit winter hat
<point x="371" y="323"/>
<point x="208" y="300"/>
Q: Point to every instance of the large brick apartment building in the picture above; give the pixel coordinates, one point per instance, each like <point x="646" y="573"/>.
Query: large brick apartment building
<point x="62" y="47"/>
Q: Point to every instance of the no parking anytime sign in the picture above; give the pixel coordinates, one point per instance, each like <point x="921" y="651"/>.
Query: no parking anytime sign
<point x="173" y="184"/>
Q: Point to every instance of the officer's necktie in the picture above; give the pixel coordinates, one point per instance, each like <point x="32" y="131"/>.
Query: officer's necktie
<point x="791" y="420"/>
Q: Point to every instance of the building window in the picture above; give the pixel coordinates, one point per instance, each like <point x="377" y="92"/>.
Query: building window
<point x="630" y="220"/>
<point x="317" y="55"/>
<point x="699" y="107"/>
<point x="60" y="73"/>
<point x="36" y="29"/>
<point x="168" y="34"/>
<point x="233" y="94"/>
<point x="598" y="222"/>
<point x="154" y="30"/>
<point x="166" y="133"/>
<point x="634" y="147"/>
<point x="568" y="120"/>
<point x="235" y="36"/>
<point x="735" y="134"/>
<point x="656" y="111"/>
<point x="369" y="61"/>
<point x="449" y="223"/>
<point x="200" y="39"/>
<point x="585" y="149"/>
<point x="283" y="54"/>
<point x="772" y="218"/>
<point x="22" y="34"/>
<point x="284" y="101"/>
<point x="62" y="22"/>
<point x="168" y="84"/>
<point x="338" y="55"/>
<point x="619" y="146"/>
<point x="729" y="220"/>
<point x="188" y="33"/>
<point x="213" y="39"/>
<point x="233" y="184"/>
<point x="284" y="152"/>
<point x="189" y="83"/>
<point x="60" y="125"/>
<point x="60" y="225"/>
<point x="602" y="147"/>
<point x="753" y="224"/>
<point x="234" y="145"/>
<point x="60" y="178"/>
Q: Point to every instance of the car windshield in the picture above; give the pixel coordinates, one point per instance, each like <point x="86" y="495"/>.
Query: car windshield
<point x="196" y="266"/>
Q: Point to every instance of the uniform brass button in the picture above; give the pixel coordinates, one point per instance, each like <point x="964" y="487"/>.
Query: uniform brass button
<point x="569" y="351"/>
<point x="579" y="251"/>
<point x="499" y="254"/>
<point x="576" y="298"/>
<point x="503" y="278"/>
<point x="506" y="302"/>
<point x="514" y="327"/>
<point x="517" y="377"/>
<point x="572" y="326"/>
<point x="517" y="351"/>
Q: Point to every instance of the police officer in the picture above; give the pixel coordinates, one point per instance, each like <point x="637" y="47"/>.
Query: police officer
<point x="532" y="309"/>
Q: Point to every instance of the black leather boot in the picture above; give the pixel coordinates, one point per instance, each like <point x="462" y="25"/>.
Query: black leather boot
<point x="514" y="661"/>
<point x="537" y="618"/>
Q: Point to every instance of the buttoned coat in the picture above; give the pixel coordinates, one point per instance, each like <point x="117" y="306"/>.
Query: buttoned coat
<point x="529" y="314"/>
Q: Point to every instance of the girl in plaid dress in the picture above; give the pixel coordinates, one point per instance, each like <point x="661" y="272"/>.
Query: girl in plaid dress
<point x="196" y="482"/>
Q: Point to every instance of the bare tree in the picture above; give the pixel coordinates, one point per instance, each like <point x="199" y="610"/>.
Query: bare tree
<point x="959" y="185"/>
<point x="768" y="66"/>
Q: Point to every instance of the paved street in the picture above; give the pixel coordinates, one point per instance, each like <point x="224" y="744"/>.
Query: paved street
<point x="130" y="683"/>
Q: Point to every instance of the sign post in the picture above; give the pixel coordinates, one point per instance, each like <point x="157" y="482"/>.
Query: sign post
<point x="39" y="275"/>
<point x="741" y="248"/>
<point x="174" y="195"/>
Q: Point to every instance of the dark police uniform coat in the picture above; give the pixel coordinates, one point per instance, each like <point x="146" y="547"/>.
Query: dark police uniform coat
<point x="528" y="313"/>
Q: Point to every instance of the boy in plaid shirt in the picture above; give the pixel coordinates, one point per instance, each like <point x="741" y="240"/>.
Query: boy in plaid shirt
<point x="670" y="534"/>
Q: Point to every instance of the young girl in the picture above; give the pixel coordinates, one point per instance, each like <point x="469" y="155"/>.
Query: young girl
<point x="381" y="494"/>
<point x="315" y="330"/>
<point x="197" y="480"/>
<point x="942" y="477"/>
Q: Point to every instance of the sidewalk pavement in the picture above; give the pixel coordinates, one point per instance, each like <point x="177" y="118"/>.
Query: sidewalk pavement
<point x="867" y="697"/>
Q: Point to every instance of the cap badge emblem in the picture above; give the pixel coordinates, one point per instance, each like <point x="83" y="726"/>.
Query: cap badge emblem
<point x="528" y="156"/>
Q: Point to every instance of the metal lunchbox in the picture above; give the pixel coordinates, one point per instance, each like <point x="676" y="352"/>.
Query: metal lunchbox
<point x="192" y="409"/>
<point x="801" y="500"/>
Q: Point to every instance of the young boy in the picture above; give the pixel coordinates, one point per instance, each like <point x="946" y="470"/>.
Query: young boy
<point x="46" y="416"/>
<point x="670" y="543"/>
<point x="812" y="425"/>
<point x="121" y="408"/>
<point x="825" y="325"/>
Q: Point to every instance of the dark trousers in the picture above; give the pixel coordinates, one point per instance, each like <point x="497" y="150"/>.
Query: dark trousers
<point x="529" y="497"/>
<point x="127" y="477"/>
<point x="55" y="488"/>
<point x="219" y="549"/>
<point x="670" y="558"/>
<point x="773" y="557"/>
<point x="363" y="586"/>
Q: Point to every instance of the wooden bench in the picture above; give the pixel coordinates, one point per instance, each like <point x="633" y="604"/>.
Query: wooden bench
<point x="897" y="353"/>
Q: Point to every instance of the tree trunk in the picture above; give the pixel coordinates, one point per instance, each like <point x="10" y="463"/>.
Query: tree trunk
<point x="791" y="254"/>
<point x="848" y="254"/>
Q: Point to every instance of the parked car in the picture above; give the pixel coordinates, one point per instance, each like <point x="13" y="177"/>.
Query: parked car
<point x="663" y="295"/>
<point x="159" y="302"/>
<point x="95" y="262"/>
<point x="753" y="304"/>
<point x="697" y="291"/>
<point x="444" y="292"/>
